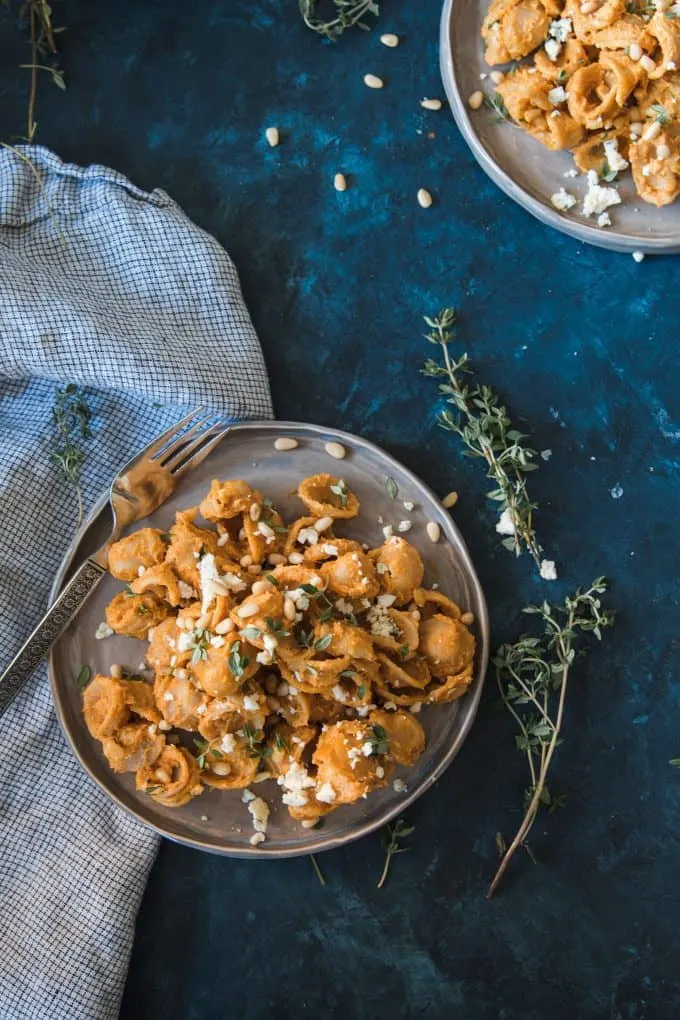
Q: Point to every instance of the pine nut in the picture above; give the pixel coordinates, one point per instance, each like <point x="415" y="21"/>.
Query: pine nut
<point x="272" y="136"/>
<point x="476" y="100"/>
<point x="117" y="672"/>
<point x="433" y="531"/>
<point x="224" y="626"/>
<point x="497" y="77"/>
<point x="424" y="198"/>
<point x="276" y="559"/>
<point x="323" y="524"/>
<point x="247" y="609"/>
<point x="289" y="609"/>
<point x="220" y="768"/>
<point x="372" y="81"/>
<point x="245" y="561"/>
<point x="295" y="558"/>
<point x="162" y="776"/>
<point x="285" y="443"/>
<point x="255" y="568"/>
<point x="255" y="511"/>
<point x="467" y="619"/>
<point x="336" y="450"/>
<point x="203" y="621"/>
<point x="340" y="182"/>
<point x="431" y="104"/>
<point x="648" y="64"/>
<point x="634" y="51"/>
<point x="662" y="152"/>
<point x="259" y="587"/>
<point x="450" y="500"/>
<point x="651" y="131"/>
<point x="390" y="40"/>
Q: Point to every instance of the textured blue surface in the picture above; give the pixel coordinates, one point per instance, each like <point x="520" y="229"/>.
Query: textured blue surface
<point x="583" y="345"/>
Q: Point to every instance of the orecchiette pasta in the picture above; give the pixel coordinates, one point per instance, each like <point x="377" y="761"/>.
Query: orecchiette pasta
<point x="603" y="82"/>
<point x="281" y="652"/>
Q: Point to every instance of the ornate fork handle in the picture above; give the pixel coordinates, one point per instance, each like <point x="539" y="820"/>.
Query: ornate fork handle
<point x="53" y="623"/>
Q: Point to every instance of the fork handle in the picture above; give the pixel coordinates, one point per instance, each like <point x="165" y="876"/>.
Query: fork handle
<point x="54" y="622"/>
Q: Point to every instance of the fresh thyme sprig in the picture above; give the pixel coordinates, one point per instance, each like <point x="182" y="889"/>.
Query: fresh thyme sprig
<point x="42" y="32"/>
<point x="496" y="104"/>
<point x="317" y="869"/>
<point x="532" y="677"/>
<point x="390" y="838"/>
<point x="71" y="416"/>
<point x="483" y="424"/>
<point x="343" y="15"/>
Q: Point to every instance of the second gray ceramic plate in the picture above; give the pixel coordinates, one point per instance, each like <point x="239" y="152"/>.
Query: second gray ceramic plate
<point x="524" y="169"/>
<point x="217" y="820"/>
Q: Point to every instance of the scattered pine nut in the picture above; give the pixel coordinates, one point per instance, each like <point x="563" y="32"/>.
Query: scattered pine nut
<point x="246" y="560"/>
<point x="634" y="51"/>
<point x="117" y="672"/>
<point x="255" y="511"/>
<point x="467" y="619"/>
<point x="295" y="558"/>
<point x="476" y="100"/>
<point x="224" y="626"/>
<point x="276" y="559"/>
<point x="431" y="104"/>
<point x="340" y="182"/>
<point x="372" y="81"/>
<point x="247" y="609"/>
<point x="273" y="137"/>
<point x="433" y="531"/>
<point x="648" y="64"/>
<point x="497" y="77"/>
<point x="289" y="610"/>
<point x="258" y="587"/>
<point x="336" y="450"/>
<point x="285" y="443"/>
<point x="651" y="131"/>
<point x="424" y="198"/>
<point x="390" y="40"/>
<point x="450" y="500"/>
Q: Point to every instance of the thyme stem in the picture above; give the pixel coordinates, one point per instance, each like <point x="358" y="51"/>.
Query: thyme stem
<point x="317" y="869"/>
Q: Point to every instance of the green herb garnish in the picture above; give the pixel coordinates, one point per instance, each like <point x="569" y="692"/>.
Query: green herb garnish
<point x="341" y="491"/>
<point x="205" y="752"/>
<point x="276" y="627"/>
<point x="317" y="869"/>
<point x="237" y="662"/>
<point x="404" y="650"/>
<point x="71" y="417"/>
<point x="346" y="14"/>
<point x="391" y="487"/>
<point x="532" y="677"/>
<point x="250" y="633"/>
<point x="661" y="114"/>
<point x="482" y="422"/>
<point x="496" y="104"/>
<point x="84" y="677"/>
<point x="379" y="741"/>
<point x="322" y="644"/>
<point x="390" y="838"/>
<point x="200" y="646"/>
<point x="272" y="580"/>
<point x="361" y="691"/>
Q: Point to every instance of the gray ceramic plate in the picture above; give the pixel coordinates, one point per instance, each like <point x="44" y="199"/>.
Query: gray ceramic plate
<point x="525" y="169"/>
<point x="248" y="452"/>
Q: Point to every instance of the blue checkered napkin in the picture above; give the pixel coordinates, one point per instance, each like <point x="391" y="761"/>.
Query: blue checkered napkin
<point x="141" y="307"/>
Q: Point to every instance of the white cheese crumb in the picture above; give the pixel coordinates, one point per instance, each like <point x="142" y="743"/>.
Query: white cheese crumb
<point x="604" y="220"/>
<point x="638" y="256"/>
<point x="103" y="631"/>
<point x="552" y="48"/>
<point x="598" y="198"/>
<point x="416" y="707"/>
<point x="295" y="782"/>
<point x="326" y="794"/>
<point x="382" y="568"/>
<point x="505" y="524"/>
<point x="256" y="838"/>
<point x="404" y="526"/>
<point x="228" y="744"/>
<point x="558" y="95"/>
<point x="308" y="536"/>
<point x="386" y="600"/>
<point x="546" y="454"/>
<point x="408" y="505"/>
<point x="387" y="531"/>
<point x="247" y="796"/>
<point x="250" y="703"/>
<point x="570" y="173"/>
<point x="562" y="200"/>
<point x="399" y="786"/>
<point x="616" y="492"/>
<point x="615" y="160"/>
<point x="560" y="29"/>
<point x="185" y="590"/>
<point x="548" y="570"/>
<point x="367" y="749"/>
<point x="259" y="809"/>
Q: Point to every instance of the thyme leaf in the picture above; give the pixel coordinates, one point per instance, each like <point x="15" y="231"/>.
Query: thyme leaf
<point x="343" y="15"/>
<point x="71" y="417"/>
<point x="532" y="676"/>
<point x="84" y="677"/>
<point x="390" y="838"/>
<point x="479" y="418"/>
<point x="496" y="104"/>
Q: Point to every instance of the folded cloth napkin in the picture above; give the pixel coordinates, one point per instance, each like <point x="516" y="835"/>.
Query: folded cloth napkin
<point x="143" y="309"/>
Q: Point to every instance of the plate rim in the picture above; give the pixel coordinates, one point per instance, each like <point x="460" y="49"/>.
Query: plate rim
<point x="472" y="699"/>
<point x="611" y="240"/>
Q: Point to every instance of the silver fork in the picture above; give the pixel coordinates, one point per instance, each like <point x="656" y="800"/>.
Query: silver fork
<point x="141" y="487"/>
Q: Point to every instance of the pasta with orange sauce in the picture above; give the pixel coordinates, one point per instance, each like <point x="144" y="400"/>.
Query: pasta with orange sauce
<point x="277" y="650"/>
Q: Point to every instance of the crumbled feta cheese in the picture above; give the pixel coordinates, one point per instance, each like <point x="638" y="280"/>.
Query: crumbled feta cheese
<point x="185" y="641"/>
<point x="416" y="707"/>
<point x="228" y="744"/>
<point x="329" y="550"/>
<point x="615" y="160"/>
<point x="553" y="48"/>
<point x="185" y="590"/>
<point x="570" y="173"/>
<point x="217" y="641"/>
<point x="250" y="704"/>
<point x="103" y="631"/>
<point x="386" y="600"/>
<point x="558" y="95"/>
<point x="354" y="755"/>
<point x="380" y="772"/>
<point x="604" y="220"/>
<point x="270" y="642"/>
<point x="387" y="531"/>
<point x="408" y="505"/>
<point x="295" y="782"/>
<point x="380" y="622"/>
<point x="404" y="526"/>
<point x="399" y="786"/>
<point x="382" y="568"/>
<point x="326" y="794"/>
<point x="344" y="607"/>
<point x="308" y="536"/>
<point x="256" y="838"/>
<point x="598" y="198"/>
<point x="338" y="693"/>
<point x="560" y="29"/>
<point x="259" y="809"/>
<point x="562" y="200"/>
<point x="548" y="570"/>
<point x="638" y="256"/>
<point x="265" y="658"/>
<point x="367" y="749"/>
<point x="213" y="583"/>
<point x="267" y="533"/>
<point x="505" y="524"/>
<point x="390" y="706"/>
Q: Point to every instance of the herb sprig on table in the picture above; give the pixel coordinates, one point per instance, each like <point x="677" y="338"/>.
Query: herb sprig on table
<point x="482" y="422"/>
<point x="71" y="417"/>
<point x="532" y="676"/>
<point x="37" y="14"/>
<point x="341" y="15"/>
<point x="390" y="838"/>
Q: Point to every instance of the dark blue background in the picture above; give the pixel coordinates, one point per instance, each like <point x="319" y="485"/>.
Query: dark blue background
<point x="582" y="344"/>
